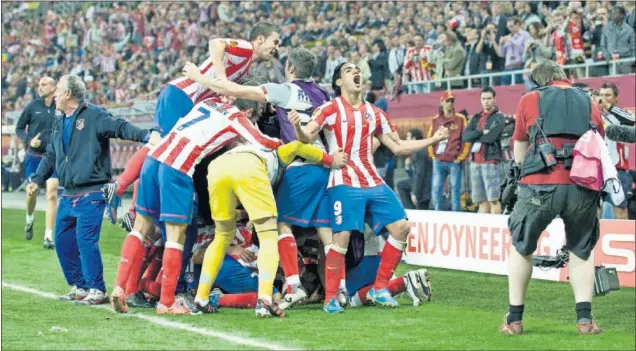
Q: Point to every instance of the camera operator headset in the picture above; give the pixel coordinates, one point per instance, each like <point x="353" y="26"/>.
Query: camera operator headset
<point x="549" y="121"/>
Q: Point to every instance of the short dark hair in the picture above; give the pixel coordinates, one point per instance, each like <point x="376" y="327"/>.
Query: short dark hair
<point x="488" y="90"/>
<point x="608" y="85"/>
<point x="335" y="77"/>
<point x="620" y="9"/>
<point x="244" y="104"/>
<point x="263" y="28"/>
<point x="516" y="20"/>
<point x="304" y="62"/>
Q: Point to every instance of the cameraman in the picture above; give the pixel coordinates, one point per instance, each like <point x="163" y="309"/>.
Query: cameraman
<point x="543" y="149"/>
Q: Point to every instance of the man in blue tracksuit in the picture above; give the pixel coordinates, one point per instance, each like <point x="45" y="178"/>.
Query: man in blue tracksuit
<point x="79" y="150"/>
<point x="34" y="128"/>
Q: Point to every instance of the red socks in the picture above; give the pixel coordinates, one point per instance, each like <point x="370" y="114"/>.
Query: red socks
<point x="288" y="253"/>
<point x="172" y="256"/>
<point x="132" y="285"/>
<point x="396" y="286"/>
<point x="131" y="251"/>
<point x="154" y="266"/>
<point x="334" y="267"/>
<point x="391" y="256"/>
<point x="132" y="171"/>
<point x="246" y="300"/>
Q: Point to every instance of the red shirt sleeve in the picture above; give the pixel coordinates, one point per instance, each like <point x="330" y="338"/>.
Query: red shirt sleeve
<point x="521" y="119"/>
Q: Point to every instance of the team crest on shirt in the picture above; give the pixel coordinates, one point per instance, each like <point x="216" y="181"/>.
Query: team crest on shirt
<point x="233" y="43"/>
<point x="367" y="116"/>
<point x="79" y="124"/>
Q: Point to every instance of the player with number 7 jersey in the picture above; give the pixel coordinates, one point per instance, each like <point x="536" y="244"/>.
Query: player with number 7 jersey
<point x="166" y="188"/>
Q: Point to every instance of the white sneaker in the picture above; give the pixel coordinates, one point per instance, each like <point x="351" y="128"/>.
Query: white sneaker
<point x="292" y="298"/>
<point x="424" y="284"/>
<point x="74" y="294"/>
<point x="410" y="281"/>
<point x="94" y="297"/>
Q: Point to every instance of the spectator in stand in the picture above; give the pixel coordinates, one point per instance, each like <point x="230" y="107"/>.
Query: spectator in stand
<point x="618" y="40"/>
<point x="453" y="60"/>
<point x="332" y="62"/>
<point x="379" y="65"/>
<point x="448" y="155"/>
<point x="559" y="39"/>
<point x="536" y="49"/>
<point x="486" y="47"/>
<point x="528" y="11"/>
<point x="500" y="22"/>
<point x="484" y="131"/>
<point x="511" y="48"/>
<point x="475" y="61"/>
<point x="417" y="66"/>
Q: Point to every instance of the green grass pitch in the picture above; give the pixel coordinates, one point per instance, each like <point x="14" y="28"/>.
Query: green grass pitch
<point x="465" y="312"/>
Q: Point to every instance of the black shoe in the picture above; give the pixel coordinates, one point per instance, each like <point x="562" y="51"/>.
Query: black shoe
<point x="28" y="231"/>
<point x="48" y="244"/>
<point x="137" y="300"/>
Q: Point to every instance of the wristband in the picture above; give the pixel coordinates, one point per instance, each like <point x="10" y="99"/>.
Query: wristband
<point x="326" y="159"/>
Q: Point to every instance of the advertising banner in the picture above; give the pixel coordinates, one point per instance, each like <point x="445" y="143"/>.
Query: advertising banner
<point x="482" y="243"/>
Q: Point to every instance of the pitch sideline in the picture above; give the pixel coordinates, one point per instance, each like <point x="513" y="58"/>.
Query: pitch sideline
<point x="164" y="322"/>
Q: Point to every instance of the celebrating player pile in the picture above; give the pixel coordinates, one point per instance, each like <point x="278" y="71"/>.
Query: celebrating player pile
<point x="248" y="170"/>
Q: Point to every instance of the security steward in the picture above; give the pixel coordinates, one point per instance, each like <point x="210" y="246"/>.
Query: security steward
<point x="549" y="121"/>
<point x="79" y="150"/>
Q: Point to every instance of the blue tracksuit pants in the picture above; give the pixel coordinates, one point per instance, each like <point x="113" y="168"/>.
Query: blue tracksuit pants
<point x="77" y="229"/>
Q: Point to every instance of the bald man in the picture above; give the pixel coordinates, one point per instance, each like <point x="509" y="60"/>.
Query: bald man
<point x="34" y="128"/>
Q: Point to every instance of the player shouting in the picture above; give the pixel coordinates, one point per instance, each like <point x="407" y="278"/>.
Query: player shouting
<point x="350" y="124"/>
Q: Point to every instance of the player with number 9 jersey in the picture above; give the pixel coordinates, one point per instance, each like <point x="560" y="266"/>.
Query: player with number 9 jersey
<point x="166" y="189"/>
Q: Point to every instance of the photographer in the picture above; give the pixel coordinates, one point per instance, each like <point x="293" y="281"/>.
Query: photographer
<point x="543" y="151"/>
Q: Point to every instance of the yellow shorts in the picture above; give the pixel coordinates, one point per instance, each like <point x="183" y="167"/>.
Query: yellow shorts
<point x="240" y="177"/>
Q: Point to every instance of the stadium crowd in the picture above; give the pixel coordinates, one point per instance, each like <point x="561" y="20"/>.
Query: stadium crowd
<point x="128" y="51"/>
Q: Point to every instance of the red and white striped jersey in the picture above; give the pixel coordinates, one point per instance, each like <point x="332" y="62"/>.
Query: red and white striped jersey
<point x="418" y="67"/>
<point x="242" y="237"/>
<point x="237" y="59"/>
<point x="352" y="130"/>
<point x="206" y="129"/>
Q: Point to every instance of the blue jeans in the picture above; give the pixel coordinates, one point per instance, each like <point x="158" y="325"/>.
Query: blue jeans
<point x="507" y="79"/>
<point x="607" y="211"/>
<point x="441" y="170"/>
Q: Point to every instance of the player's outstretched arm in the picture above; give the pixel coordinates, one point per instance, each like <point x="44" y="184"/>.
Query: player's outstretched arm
<point x="224" y="86"/>
<point x="288" y="152"/>
<point x="401" y="147"/>
<point x="217" y="50"/>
